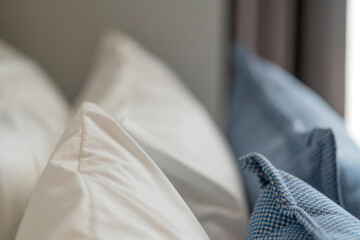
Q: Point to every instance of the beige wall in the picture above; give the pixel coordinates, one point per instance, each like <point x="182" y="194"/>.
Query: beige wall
<point x="62" y="36"/>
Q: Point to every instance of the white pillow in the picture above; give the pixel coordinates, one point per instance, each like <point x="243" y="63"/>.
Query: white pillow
<point x="99" y="184"/>
<point x="32" y="118"/>
<point x="139" y="90"/>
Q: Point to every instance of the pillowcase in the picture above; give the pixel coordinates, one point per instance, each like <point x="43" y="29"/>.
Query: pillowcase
<point x="288" y="208"/>
<point x="274" y="114"/>
<point x="174" y="129"/>
<point x="99" y="184"/>
<point x="32" y="117"/>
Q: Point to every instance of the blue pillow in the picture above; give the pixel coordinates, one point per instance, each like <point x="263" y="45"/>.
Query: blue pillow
<point x="288" y="208"/>
<point x="273" y="113"/>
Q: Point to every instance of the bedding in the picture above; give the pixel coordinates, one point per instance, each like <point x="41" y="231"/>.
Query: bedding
<point x="288" y="208"/>
<point x="147" y="98"/>
<point x="274" y="114"/>
<point x="99" y="184"/>
<point x="33" y="115"/>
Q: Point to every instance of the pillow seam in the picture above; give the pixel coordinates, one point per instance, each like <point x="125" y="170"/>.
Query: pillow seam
<point x="91" y="219"/>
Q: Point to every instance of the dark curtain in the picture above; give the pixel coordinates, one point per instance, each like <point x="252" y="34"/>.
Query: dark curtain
<point x="305" y="37"/>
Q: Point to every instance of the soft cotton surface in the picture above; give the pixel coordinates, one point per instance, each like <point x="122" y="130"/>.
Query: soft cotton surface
<point x="99" y="184"/>
<point x="142" y="93"/>
<point x="32" y="117"/>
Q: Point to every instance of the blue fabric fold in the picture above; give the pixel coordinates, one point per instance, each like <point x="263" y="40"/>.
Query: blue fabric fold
<point x="288" y="208"/>
<point x="273" y="113"/>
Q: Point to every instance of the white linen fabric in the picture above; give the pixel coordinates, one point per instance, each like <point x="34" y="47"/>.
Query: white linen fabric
<point x="32" y="117"/>
<point x="99" y="184"/>
<point x="140" y="91"/>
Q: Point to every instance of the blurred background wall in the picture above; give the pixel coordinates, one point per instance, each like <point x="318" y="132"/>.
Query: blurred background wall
<point x="191" y="35"/>
<point x="306" y="37"/>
